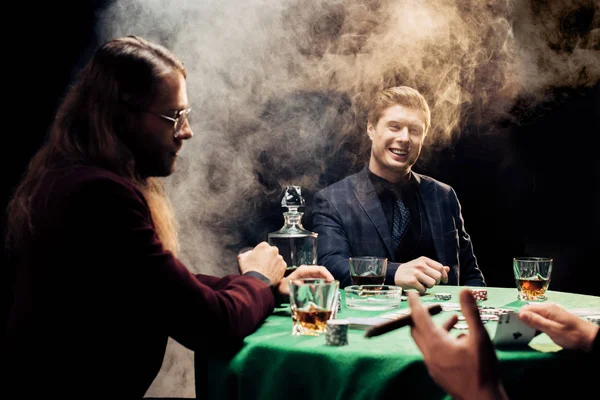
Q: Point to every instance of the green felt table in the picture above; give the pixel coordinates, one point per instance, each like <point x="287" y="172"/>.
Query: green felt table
<point x="274" y="364"/>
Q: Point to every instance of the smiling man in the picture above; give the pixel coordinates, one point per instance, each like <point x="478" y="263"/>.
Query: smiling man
<point x="388" y="210"/>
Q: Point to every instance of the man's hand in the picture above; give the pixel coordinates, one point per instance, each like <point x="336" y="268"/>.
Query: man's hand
<point x="421" y="274"/>
<point x="465" y="366"/>
<point x="302" y="272"/>
<point x="564" y="328"/>
<point x="264" y="259"/>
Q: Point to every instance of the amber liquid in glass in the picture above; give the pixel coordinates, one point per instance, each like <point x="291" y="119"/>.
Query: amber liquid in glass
<point x="314" y="320"/>
<point x="533" y="288"/>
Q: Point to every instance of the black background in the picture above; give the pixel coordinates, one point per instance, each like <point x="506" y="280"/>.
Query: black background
<point x="529" y="189"/>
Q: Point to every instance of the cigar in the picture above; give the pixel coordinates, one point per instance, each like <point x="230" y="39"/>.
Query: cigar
<point x="399" y="322"/>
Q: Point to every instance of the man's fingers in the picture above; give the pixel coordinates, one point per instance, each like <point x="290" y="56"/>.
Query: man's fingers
<point x="324" y="272"/>
<point x="439" y="268"/>
<point x="549" y="311"/>
<point x="426" y="280"/>
<point x="416" y="285"/>
<point x="537" y="321"/>
<point x="433" y="274"/>
<point x="312" y="271"/>
<point x="448" y="325"/>
<point x="468" y="306"/>
<point x="432" y="263"/>
<point x="445" y="271"/>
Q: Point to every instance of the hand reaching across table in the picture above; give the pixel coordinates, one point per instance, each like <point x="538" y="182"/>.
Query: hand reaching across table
<point x="302" y="272"/>
<point x="465" y="366"/>
<point x="564" y="328"/>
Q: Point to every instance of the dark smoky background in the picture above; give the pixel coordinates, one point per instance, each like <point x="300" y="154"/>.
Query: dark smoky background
<point x="279" y="89"/>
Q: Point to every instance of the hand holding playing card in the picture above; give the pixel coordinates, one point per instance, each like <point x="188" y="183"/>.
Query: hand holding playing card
<point x="564" y="328"/>
<point x="511" y="331"/>
<point x="465" y="366"/>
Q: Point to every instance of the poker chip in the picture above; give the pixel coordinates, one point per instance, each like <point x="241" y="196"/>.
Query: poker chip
<point x="336" y="333"/>
<point x="443" y="296"/>
<point x="339" y="301"/>
<point x="479" y="294"/>
<point x="461" y="326"/>
<point x="593" y="318"/>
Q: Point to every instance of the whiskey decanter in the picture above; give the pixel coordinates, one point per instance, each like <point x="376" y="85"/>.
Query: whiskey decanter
<point x="296" y="245"/>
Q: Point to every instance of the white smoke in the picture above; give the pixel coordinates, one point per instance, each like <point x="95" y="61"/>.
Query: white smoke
<point x="278" y="89"/>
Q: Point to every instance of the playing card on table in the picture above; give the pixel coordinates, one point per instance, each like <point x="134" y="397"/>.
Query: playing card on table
<point x="512" y="331"/>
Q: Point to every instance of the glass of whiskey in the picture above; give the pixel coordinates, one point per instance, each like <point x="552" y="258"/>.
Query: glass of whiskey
<point x="532" y="277"/>
<point x="312" y="302"/>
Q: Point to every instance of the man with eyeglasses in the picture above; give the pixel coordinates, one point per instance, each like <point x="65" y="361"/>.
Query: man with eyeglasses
<point x="153" y="147"/>
<point x="92" y="241"/>
<point x="178" y="119"/>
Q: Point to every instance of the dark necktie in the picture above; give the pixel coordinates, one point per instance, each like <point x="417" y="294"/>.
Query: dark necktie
<point x="401" y="220"/>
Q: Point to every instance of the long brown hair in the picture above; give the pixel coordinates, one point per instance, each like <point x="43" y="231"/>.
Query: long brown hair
<point x="89" y="128"/>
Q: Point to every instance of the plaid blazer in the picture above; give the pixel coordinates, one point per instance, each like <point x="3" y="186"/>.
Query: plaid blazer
<point x="349" y="220"/>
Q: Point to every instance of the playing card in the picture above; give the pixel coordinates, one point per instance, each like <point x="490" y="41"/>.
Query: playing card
<point x="512" y="331"/>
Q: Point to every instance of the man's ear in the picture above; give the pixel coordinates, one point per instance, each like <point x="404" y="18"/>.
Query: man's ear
<point x="370" y="130"/>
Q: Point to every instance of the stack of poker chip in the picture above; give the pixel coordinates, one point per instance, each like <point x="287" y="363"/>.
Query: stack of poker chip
<point x="339" y="301"/>
<point x="443" y="296"/>
<point x="479" y="294"/>
<point x="336" y="333"/>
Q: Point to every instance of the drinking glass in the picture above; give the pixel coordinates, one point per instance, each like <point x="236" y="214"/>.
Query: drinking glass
<point x="368" y="270"/>
<point x="532" y="276"/>
<point x="312" y="303"/>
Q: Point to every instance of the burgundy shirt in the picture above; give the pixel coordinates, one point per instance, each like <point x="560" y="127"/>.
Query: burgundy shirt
<point x="98" y="296"/>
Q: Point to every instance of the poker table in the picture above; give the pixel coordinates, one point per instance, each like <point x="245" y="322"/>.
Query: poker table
<point x="273" y="364"/>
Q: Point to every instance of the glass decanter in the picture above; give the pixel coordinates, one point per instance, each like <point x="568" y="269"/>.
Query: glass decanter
<point x="296" y="245"/>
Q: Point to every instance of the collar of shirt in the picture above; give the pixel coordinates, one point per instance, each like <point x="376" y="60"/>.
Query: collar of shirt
<point x="382" y="185"/>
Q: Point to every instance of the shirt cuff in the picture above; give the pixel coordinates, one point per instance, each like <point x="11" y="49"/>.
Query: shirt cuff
<point x="258" y="275"/>
<point x="279" y="299"/>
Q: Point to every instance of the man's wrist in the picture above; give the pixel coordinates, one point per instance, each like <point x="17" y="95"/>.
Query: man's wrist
<point x="279" y="298"/>
<point x="259" y="276"/>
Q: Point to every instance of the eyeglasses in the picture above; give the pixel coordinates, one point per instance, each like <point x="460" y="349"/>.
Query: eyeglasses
<point x="178" y="121"/>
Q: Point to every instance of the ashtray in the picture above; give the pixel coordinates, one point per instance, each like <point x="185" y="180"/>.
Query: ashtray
<point x="373" y="297"/>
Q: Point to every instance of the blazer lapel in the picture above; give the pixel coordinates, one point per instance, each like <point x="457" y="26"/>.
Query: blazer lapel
<point x="428" y="196"/>
<point x="366" y="196"/>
